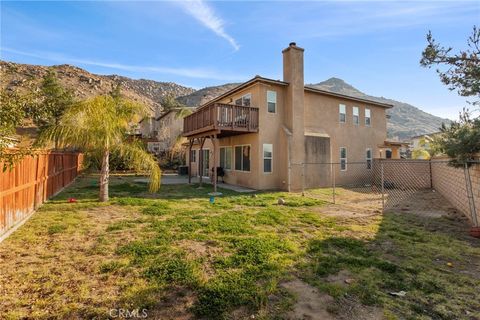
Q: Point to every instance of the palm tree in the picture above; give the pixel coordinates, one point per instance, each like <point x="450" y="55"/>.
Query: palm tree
<point x="101" y="125"/>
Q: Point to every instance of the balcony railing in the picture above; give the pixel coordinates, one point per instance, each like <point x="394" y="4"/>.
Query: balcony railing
<point x="225" y="119"/>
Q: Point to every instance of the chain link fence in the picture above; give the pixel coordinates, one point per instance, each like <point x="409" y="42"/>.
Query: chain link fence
<point x="429" y="187"/>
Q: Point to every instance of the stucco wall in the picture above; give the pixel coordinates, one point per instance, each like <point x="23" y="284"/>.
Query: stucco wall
<point x="322" y="117"/>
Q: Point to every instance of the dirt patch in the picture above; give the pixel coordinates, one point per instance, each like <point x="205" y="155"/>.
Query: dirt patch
<point x="311" y="304"/>
<point x="199" y="249"/>
<point x="343" y="278"/>
<point x="175" y="305"/>
<point x="351" y="309"/>
<point x="427" y="203"/>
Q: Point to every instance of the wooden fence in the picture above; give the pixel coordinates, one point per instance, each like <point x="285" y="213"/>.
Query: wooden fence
<point x="32" y="181"/>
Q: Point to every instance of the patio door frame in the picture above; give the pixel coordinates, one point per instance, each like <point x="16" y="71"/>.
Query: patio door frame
<point x="206" y="163"/>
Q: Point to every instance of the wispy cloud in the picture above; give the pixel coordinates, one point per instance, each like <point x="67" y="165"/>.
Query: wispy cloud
<point x="200" y="73"/>
<point x="206" y="15"/>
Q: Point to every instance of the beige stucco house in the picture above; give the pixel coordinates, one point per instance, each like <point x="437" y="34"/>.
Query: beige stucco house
<point x="272" y="134"/>
<point x="160" y="133"/>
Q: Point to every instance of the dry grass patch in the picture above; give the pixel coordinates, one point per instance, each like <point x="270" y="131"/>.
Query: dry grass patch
<point x="178" y="256"/>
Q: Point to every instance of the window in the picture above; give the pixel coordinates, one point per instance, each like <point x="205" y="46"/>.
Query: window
<point x="388" y="153"/>
<point x="355" y="116"/>
<point x="267" y="158"/>
<point x="242" y="158"/>
<point x="343" y="113"/>
<point x="244" y="100"/>
<point x="271" y="101"/>
<point x="343" y="159"/>
<point x="226" y="158"/>
<point x="368" y="156"/>
<point x="193" y="155"/>
<point x="368" y="120"/>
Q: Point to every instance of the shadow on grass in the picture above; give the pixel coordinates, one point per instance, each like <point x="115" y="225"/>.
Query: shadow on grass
<point x="431" y="259"/>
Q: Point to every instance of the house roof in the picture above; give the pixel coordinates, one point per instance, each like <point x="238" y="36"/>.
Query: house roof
<point x="243" y="86"/>
<point x="163" y="115"/>
<point x="344" y="96"/>
<point x="389" y="143"/>
<point x="283" y="83"/>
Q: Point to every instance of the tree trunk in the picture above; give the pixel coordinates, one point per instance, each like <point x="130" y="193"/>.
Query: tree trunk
<point x="104" y="175"/>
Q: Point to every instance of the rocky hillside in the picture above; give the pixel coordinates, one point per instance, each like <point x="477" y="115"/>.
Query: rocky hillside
<point x="85" y="84"/>
<point x="204" y="95"/>
<point x="405" y="120"/>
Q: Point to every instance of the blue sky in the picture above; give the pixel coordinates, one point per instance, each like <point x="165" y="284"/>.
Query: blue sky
<point x="375" y="46"/>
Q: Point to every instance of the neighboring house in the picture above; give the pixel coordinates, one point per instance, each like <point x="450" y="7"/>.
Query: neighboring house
<point x="420" y="146"/>
<point x="161" y="133"/>
<point x="264" y="131"/>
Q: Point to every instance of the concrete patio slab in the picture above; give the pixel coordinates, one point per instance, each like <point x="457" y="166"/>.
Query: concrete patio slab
<point x="176" y="179"/>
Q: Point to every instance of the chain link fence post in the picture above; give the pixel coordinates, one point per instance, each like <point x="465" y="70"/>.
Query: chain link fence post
<point x="303" y="179"/>
<point x="332" y="165"/>
<point x="471" y="200"/>
<point x="383" y="186"/>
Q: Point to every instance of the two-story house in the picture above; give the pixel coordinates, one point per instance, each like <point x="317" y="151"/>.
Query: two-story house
<point x="161" y="133"/>
<point x="265" y="133"/>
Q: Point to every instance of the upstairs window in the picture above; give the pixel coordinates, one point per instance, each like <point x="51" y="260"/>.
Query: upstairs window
<point x="343" y="113"/>
<point x="244" y="100"/>
<point x="267" y="158"/>
<point x="343" y="159"/>
<point x="242" y="158"/>
<point x="356" y="118"/>
<point x="271" y="101"/>
<point x="368" y="118"/>
<point x="368" y="157"/>
<point x="226" y="158"/>
<point x="193" y="155"/>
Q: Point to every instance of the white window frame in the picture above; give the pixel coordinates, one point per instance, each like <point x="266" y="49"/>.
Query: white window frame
<point x="356" y="115"/>
<point x="242" y="99"/>
<point x="340" y="113"/>
<point x="369" y="164"/>
<point x="226" y="148"/>
<point x="268" y="158"/>
<point x="275" y="101"/>
<point x="345" y="159"/>
<point x="194" y="153"/>
<point x="369" y="117"/>
<point x="235" y="160"/>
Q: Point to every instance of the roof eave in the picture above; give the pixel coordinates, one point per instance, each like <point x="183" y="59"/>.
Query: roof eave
<point x="343" y="96"/>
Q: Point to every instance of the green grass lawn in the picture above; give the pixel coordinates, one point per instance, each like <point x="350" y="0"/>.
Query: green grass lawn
<point x="178" y="256"/>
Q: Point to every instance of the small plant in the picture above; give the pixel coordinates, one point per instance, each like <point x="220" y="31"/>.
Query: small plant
<point x="157" y="209"/>
<point x="111" y="266"/>
<point x="172" y="270"/>
<point x="56" y="228"/>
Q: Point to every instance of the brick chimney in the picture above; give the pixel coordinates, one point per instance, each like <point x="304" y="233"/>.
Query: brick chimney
<point x="294" y="106"/>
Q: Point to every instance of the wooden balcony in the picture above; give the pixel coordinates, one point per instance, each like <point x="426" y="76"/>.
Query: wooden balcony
<point x="222" y="120"/>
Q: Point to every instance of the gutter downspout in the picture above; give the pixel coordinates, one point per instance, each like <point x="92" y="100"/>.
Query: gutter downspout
<point x="289" y="170"/>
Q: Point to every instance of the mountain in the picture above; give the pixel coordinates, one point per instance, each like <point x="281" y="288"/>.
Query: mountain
<point x="84" y="84"/>
<point x="204" y="95"/>
<point x="405" y="120"/>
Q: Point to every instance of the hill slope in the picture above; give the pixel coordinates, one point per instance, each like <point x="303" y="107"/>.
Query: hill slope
<point x="86" y="84"/>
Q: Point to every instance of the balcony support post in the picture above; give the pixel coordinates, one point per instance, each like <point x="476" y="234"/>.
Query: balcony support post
<point x="200" y="158"/>
<point x="215" y="147"/>
<point x="190" y="144"/>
